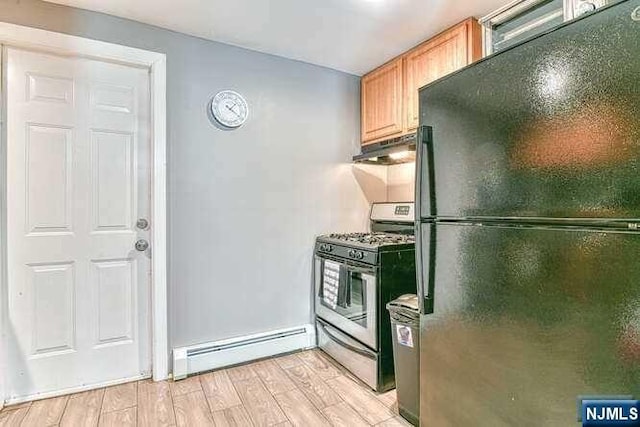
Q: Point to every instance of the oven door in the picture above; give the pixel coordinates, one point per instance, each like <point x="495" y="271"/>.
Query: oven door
<point x="346" y="298"/>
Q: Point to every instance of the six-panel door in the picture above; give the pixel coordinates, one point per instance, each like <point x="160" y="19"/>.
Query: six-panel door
<point x="78" y="178"/>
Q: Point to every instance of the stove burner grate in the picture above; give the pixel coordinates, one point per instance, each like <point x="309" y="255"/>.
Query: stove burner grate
<point x="374" y="238"/>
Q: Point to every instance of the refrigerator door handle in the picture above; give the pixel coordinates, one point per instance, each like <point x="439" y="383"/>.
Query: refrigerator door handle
<point x="424" y="158"/>
<point x="419" y="267"/>
<point x="425" y="267"/>
<point x="418" y="176"/>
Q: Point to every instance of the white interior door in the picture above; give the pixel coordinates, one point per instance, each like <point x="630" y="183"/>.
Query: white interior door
<point x="78" y="178"/>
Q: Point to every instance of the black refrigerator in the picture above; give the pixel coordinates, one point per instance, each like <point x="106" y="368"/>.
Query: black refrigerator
<point x="528" y="238"/>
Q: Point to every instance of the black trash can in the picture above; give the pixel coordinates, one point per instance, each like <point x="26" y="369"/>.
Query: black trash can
<point x="405" y="327"/>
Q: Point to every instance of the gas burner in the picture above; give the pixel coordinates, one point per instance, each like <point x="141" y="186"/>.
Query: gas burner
<point x="375" y="239"/>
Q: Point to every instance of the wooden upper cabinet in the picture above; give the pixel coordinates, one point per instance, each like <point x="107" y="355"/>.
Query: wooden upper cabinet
<point x="444" y="54"/>
<point x="390" y="93"/>
<point x="382" y="102"/>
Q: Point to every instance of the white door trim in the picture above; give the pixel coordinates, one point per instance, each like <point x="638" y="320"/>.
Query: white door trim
<point x="63" y="44"/>
<point x="3" y="236"/>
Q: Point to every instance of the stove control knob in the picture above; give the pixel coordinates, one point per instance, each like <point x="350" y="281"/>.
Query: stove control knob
<point x="360" y="255"/>
<point x="329" y="248"/>
<point x="352" y="253"/>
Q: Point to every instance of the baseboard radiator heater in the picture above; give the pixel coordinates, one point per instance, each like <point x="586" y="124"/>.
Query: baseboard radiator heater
<point x="233" y="351"/>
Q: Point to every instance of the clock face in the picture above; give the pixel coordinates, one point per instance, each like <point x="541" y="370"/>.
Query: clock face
<point x="229" y="108"/>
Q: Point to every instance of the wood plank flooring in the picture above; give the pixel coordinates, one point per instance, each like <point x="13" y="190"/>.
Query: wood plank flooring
<point x="305" y="389"/>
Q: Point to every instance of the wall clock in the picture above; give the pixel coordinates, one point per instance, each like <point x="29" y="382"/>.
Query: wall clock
<point x="230" y="109"/>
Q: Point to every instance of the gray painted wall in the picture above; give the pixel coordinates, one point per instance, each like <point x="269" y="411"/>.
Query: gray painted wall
<point x="244" y="206"/>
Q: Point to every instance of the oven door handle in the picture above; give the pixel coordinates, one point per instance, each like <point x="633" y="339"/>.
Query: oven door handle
<point x="361" y="351"/>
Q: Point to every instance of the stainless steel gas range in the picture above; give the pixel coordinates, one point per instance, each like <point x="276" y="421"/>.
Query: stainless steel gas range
<point x="355" y="275"/>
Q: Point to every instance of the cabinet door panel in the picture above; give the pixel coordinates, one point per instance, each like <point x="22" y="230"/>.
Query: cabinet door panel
<point x="382" y="102"/>
<point x="431" y="61"/>
<point x="444" y="54"/>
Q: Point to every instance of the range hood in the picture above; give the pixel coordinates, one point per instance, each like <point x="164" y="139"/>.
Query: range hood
<point x="389" y="152"/>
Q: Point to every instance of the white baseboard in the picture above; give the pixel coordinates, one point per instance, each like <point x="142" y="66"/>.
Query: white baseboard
<point x="233" y="351"/>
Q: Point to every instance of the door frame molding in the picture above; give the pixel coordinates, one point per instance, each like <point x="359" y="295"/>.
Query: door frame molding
<point x="63" y="44"/>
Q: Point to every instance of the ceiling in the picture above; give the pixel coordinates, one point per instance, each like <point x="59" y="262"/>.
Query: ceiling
<point x="353" y="36"/>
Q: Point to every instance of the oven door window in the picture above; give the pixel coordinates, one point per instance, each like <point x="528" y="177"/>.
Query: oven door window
<point x="344" y="290"/>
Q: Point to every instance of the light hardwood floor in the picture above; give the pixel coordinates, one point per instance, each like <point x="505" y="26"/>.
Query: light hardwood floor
<point x="303" y="389"/>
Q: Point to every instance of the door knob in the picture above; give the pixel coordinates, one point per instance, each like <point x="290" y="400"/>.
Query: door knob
<point x="142" y="245"/>
<point x="142" y="223"/>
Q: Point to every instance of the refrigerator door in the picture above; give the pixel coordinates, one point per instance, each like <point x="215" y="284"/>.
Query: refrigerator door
<point x="548" y="129"/>
<point x="525" y="320"/>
